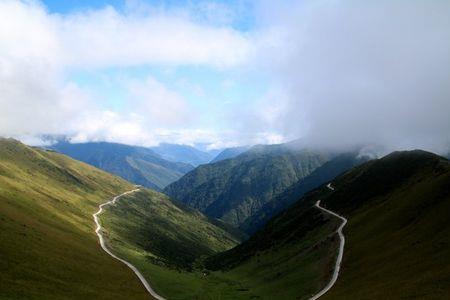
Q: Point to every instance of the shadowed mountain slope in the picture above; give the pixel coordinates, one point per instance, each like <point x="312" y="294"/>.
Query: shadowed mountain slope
<point x="397" y="236"/>
<point x="230" y="153"/>
<point x="319" y="176"/>
<point x="234" y="189"/>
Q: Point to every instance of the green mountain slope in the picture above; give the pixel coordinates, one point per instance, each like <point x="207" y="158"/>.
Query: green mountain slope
<point x="319" y="176"/>
<point x="164" y="240"/>
<point x="397" y="236"/>
<point x="230" y="153"/>
<point x="291" y="257"/>
<point x="398" y="228"/>
<point x="48" y="247"/>
<point x="182" y="153"/>
<point x="136" y="164"/>
<point x="235" y="189"/>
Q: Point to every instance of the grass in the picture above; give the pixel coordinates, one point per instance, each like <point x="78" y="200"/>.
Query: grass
<point x="139" y="224"/>
<point x="398" y="238"/>
<point x="165" y="241"/>
<point x="48" y="246"/>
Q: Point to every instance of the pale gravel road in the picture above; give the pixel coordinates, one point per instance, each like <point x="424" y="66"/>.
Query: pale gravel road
<point x="103" y="245"/>
<point x="337" y="266"/>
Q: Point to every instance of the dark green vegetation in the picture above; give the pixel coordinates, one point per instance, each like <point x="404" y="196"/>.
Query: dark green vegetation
<point x="235" y="189"/>
<point x="319" y="176"/>
<point x="136" y="164"/>
<point x="229" y="153"/>
<point x="290" y="258"/>
<point x="173" y="233"/>
<point x="166" y="241"/>
<point x="397" y="237"/>
<point x="48" y="248"/>
<point x="183" y="153"/>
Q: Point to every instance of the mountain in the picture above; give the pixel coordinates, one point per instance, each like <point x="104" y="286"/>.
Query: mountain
<point x="48" y="246"/>
<point x="323" y="174"/>
<point x="230" y="153"/>
<point x="136" y="164"/>
<point x="235" y="189"/>
<point x="182" y="153"/>
<point x="397" y="236"/>
<point x="165" y="239"/>
<point x="47" y="242"/>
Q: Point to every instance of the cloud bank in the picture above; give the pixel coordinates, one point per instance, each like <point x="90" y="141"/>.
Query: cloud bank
<point x="362" y="72"/>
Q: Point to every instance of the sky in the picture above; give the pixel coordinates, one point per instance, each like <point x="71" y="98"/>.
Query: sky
<point x="227" y="73"/>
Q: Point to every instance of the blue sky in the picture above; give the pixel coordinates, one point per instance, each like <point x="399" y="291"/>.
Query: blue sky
<point x="211" y="91"/>
<point x="243" y="10"/>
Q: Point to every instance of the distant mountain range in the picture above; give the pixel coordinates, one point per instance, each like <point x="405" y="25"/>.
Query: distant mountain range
<point x="397" y="236"/>
<point x="183" y="153"/>
<point x="136" y="164"/>
<point x="237" y="188"/>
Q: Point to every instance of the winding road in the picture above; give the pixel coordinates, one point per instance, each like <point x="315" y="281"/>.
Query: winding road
<point x="337" y="266"/>
<point x="103" y="245"/>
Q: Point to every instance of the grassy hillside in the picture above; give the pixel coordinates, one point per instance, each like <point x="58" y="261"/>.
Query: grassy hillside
<point x="235" y="189"/>
<point x="290" y="258"/>
<point x="136" y="164"/>
<point x="398" y="228"/>
<point x="165" y="240"/>
<point x="48" y="247"/>
<point x="397" y="236"/>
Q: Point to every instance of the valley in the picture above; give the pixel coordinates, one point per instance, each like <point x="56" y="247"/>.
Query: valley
<point x="164" y="249"/>
<point x="224" y="150"/>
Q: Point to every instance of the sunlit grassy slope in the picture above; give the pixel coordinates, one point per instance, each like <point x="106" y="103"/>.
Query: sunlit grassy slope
<point x="48" y="248"/>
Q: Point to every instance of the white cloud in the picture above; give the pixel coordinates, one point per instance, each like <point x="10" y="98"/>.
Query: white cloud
<point x="363" y="71"/>
<point x="161" y="106"/>
<point x="38" y="48"/>
<point x="106" y="37"/>
<point x="34" y="101"/>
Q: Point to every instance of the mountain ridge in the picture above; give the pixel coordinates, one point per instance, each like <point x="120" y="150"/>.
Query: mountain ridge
<point x="139" y="165"/>
<point x="397" y="226"/>
<point x="234" y="189"/>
